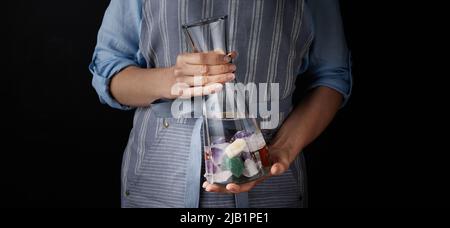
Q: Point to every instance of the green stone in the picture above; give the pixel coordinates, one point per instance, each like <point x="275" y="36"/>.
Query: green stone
<point x="235" y="165"/>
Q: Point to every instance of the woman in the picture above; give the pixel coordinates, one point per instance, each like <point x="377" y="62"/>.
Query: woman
<point x="139" y="57"/>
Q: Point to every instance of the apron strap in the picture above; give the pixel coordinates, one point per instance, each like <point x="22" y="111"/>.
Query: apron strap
<point x="241" y="200"/>
<point x="194" y="168"/>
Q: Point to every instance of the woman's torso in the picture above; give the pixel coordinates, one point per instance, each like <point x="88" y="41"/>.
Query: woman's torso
<point x="271" y="38"/>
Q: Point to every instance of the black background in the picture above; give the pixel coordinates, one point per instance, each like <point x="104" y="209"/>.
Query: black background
<point x="62" y="148"/>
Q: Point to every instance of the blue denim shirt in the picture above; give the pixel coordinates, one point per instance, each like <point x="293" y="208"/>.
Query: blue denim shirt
<point x="328" y="60"/>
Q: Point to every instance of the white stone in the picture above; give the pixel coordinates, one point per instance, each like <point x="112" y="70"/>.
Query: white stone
<point x="251" y="168"/>
<point x="222" y="176"/>
<point x="256" y="142"/>
<point x="236" y="148"/>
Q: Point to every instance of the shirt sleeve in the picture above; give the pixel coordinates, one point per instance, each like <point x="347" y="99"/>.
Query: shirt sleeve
<point x="117" y="47"/>
<point x="329" y="60"/>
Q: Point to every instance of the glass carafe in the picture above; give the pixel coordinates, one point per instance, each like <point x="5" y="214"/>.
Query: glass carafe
<point x="234" y="148"/>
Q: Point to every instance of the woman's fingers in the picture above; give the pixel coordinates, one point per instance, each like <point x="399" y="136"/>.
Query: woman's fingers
<point x="205" y="58"/>
<point x="281" y="164"/>
<point x="187" y="87"/>
<point x="216" y="188"/>
<point x="213" y="68"/>
<point x="188" y="92"/>
<point x="236" y="189"/>
<point x="204" y="80"/>
<point x="281" y="160"/>
<point x="190" y="69"/>
<point x="278" y="169"/>
<point x="232" y="188"/>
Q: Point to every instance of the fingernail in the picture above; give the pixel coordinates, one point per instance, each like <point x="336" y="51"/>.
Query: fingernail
<point x="227" y="59"/>
<point x="277" y="172"/>
<point x="205" y="185"/>
<point x="233" y="68"/>
<point x="231" y="76"/>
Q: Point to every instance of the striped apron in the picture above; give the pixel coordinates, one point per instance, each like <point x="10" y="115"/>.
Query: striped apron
<point x="162" y="165"/>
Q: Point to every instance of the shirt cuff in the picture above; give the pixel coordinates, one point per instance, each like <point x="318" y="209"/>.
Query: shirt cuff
<point x="336" y="84"/>
<point x="101" y="83"/>
<point x="342" y="82"/>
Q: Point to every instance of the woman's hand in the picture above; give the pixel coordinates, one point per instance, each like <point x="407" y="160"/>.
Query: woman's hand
<point x="194" y="74"/>
<point x="304" y="124"/>
<point x="198" y="74"/>
<point x="281" y="157"/>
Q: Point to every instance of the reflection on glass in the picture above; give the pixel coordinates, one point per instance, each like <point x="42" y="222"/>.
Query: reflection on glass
<point x="235" y="149"/>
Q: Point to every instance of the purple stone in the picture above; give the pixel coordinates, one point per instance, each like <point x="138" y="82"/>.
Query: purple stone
<point x="241" y="135"/>
<point x="210" y="167"/>
<point x="217" y="154"/>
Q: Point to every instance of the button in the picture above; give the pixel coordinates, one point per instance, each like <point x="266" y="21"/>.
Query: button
<point x="165" y="123"/>
<point x="127" y="193"/>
